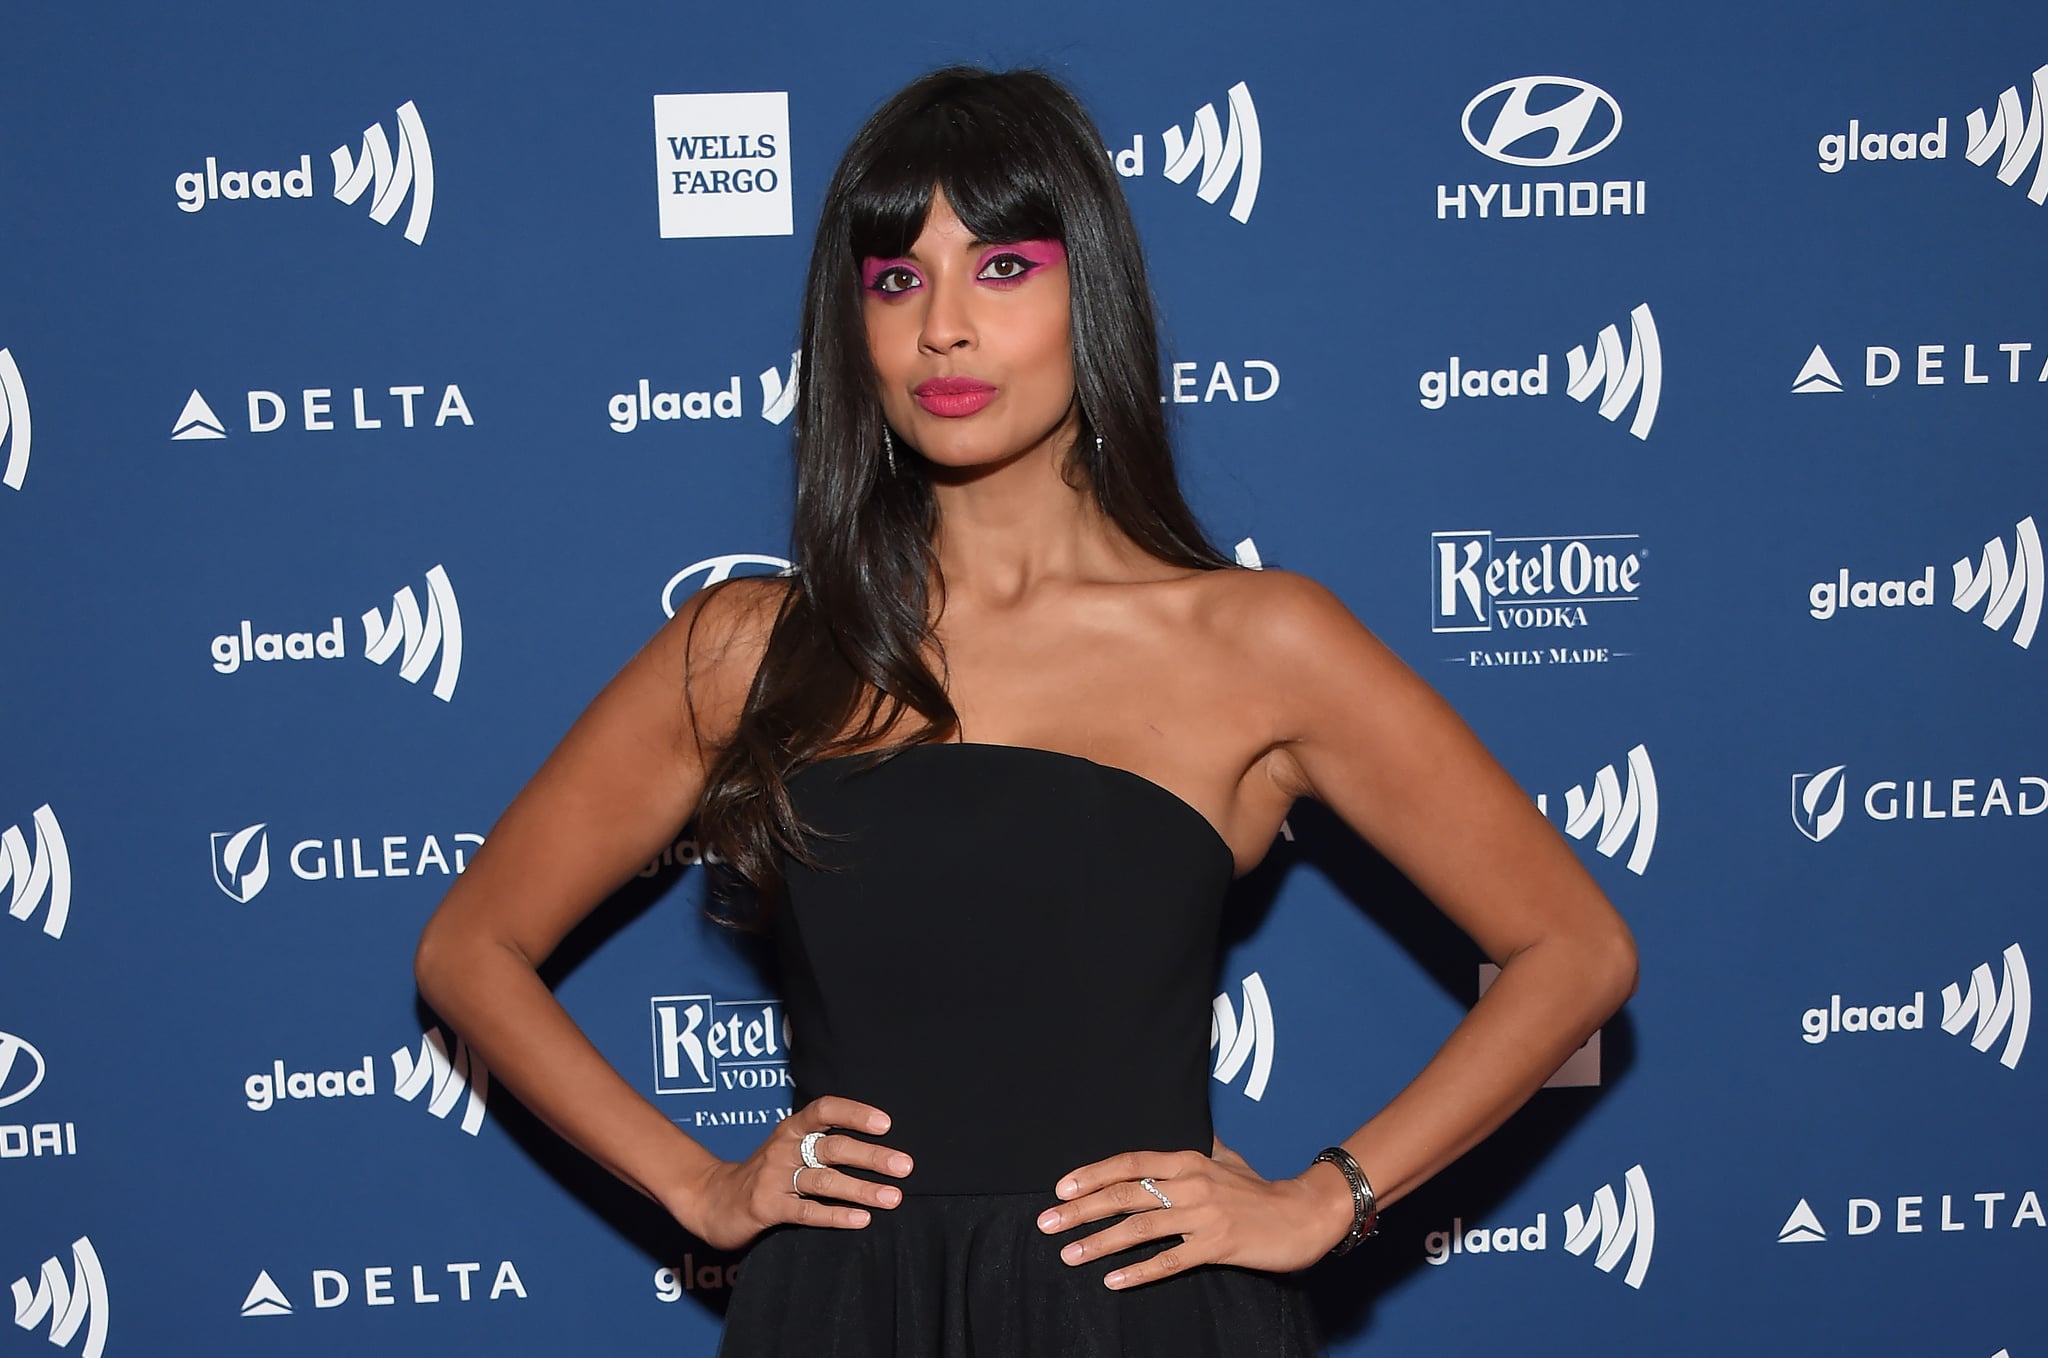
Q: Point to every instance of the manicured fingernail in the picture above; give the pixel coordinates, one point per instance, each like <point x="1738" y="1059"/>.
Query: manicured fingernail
<point x="860" y="1218"/>
<point x="878" y="1123"/>
<point x="1068" y="1188"/>
<point x="900" y="1163"/>
<point x="890" y="1196"/>
<point x="1114" y="1280"/>
<point x="1049" y="1222"/>
<point x="1072" y="1254"/>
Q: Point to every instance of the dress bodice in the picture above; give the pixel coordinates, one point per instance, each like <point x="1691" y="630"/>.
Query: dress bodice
<point x="1012" y="952"/>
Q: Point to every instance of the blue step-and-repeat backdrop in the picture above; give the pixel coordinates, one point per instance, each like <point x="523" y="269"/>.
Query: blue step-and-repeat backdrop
<point x="1665" y="384"/>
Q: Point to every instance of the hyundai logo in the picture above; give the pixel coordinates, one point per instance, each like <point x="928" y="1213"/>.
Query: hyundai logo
<point x="1583" y="120"/>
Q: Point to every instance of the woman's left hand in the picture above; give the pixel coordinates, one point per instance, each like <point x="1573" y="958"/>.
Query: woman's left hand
<point x="1222" y="1210"/>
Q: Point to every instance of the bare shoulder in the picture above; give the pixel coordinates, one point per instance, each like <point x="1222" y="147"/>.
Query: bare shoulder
<point x="712" y="648"/>
<point x="1274" y="618"/>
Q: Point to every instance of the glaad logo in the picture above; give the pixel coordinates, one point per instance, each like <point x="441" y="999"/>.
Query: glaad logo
<point x="1866" y="1216"/>
<point x="1997" y="1007"/>
<point x="1820" y="800"/>
<point x="446" y="1080"/>
<point x="1249" y="1040"/>
<point x="721" y="164"/>
<point x="21" y="1074"/>
<point x="241" y="858"/>
<point x="1882" y="365"/>
<point x="2008" y="585"/>
<point x="268" y="412"/>
<point x="387" y="176"/>
<point x="2012" y="132"/>
<point x="15" y="426"/>
<point x="1581" y="1069"/>
<point x="330" y="1287"/>
<point x="79" y="1303"/>
<point x="416" y="638"/>
<point x="708" y="1046"/>
<point x="716" y="569"/>
<point x="1621" y="376"/>
<point x="1219" y="153"/>
<point x="1617" y="812"/>
<point x="1483" y="582"/>
<point x="716" y="1275"/>
<point x="39" y="877"/>
<point x="630" y="409"/>
<point x="1624" y="1227"/>
<point x="1542" y="121"/>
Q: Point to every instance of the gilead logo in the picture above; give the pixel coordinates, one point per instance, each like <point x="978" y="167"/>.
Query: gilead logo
<point x="1614" y="1228"/>
<point x="1820" y="801"/>
<point x="241" y="858"/>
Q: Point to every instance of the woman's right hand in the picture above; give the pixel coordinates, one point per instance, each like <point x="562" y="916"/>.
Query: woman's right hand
<point x="736" y="1201"/>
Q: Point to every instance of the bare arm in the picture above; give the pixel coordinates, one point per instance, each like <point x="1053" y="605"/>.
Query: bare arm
<point x="627" y="776"/>
<point x="1369" y="739"/>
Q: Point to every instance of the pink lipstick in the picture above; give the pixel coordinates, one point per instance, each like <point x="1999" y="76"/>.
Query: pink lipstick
<point x="954" y="397"/>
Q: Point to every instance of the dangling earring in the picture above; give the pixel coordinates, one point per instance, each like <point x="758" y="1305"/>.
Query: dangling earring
<point x="1098" y="446"/>
<point x="889" y="449"/>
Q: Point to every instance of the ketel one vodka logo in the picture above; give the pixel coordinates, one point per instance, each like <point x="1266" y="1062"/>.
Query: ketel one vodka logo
<point x="1541" y="122"/>
<point x="2008" y="586"/>
<point x="1616" y="1227"/>
<point x="73" y="1307"/>
<point x="1990" y="1007"/>
<point x="1822" y="801"/>
<point x="1241" y="1042"/>
<point x="388" y="172"/>
<point x="630" y="409"/>
<point x="242" y="860"/>
<point x="414" y="637"/>
<point x="16" y="428"/>
<point x="2010" y="130"/>
<point x="728" y="1048"/>
<point x="331" y="1287"/>
<point x="1210" y="152"/>
<point x="1494" y="584"/>
<point x="35" y="871"/>
<point x="1920" y="1213"/>
<point x="1620" y="375"/>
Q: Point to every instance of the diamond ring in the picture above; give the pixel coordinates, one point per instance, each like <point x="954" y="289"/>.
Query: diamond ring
<point x="808" y="1148"/>
<point x="1155" y="1191"/>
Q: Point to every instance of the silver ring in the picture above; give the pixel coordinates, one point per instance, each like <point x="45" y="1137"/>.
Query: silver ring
<point x="808" y="1148"/>
<point x="793" y="1177"/>
<point x="1154" y="1190"/>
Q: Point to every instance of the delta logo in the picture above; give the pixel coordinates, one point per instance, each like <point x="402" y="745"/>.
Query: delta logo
<point x="419" y="640"/>
<point x="644" y="403"/>
<point x="1541" y="122"/>
<point x="73" y="1307"/>
<point x="1218" y="156"/>
<point x="1989" y="1006"/>
<point x="2009" y="130"/>
<point x="16" y="428"/>
<point x="1616" y="1227"/>
<point x="1994" y="1210"/>
<point x="242" y="864"/>
<point x="311" y="409"/>
<point x="448" y="1078"/>
<point x="1821" y="801"/>
<point x="35" y="872"/>
<point x="1620" y="376"/>
<point x="389" y="171"/>
<point x="2006" y="364"/>
<point x="328" y="1288"/>
<point x="2006" y="583"/>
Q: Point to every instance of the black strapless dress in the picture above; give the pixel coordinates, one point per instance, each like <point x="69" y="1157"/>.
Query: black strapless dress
<point x="1017" y="966"/>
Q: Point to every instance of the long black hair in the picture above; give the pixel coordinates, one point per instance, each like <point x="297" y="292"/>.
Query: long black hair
<point x="1018" y="159"/>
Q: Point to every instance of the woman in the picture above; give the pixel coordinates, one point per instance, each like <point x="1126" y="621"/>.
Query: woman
<point x="988" y="759"/>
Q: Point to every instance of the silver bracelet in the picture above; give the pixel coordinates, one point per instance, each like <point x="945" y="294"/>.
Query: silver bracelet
<point x="1365" y="1220"/>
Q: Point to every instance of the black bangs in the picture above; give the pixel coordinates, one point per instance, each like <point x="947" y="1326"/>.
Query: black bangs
<point x="990" y="161"/>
